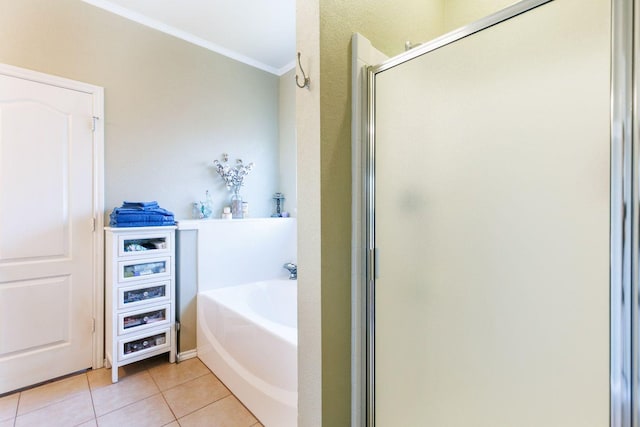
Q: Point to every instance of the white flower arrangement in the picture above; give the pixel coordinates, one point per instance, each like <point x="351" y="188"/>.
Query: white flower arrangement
<point x="233" y="176"/>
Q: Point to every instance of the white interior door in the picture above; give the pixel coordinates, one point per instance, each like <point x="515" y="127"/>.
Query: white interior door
<point x="46" y="231"/>
<point x="492" y="226"/>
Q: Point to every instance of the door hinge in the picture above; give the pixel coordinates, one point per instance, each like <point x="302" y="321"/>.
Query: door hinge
<point x="93" y="224"/>
<point x="373" y="264"/>
<point x="93" y="123"/>
<point x="93" y="324"/>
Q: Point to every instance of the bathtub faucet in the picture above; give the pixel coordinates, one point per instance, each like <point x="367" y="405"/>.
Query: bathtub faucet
<point x="293" y="270"/>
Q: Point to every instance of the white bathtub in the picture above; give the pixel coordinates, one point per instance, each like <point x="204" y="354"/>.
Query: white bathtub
<point x="247" y="335"/>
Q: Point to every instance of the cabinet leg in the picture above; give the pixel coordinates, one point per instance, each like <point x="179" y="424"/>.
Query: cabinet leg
<point x="114" y="373"/>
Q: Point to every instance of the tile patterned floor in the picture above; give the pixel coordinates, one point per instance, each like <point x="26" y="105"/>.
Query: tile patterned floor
<point x="151" y="393"/>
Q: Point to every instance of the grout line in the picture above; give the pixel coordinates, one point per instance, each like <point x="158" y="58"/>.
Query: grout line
<point x="93" y="405"/>
<point x="59" y="402"/>
<point x="228" y="395"/>
<point x="49" y="403"/>
<point x="127" y="405"/>
<point x="15" y="415"/>
<point x="202" y="407"/>
<point x="175" y="417"/>
<point x="147" y="369"/>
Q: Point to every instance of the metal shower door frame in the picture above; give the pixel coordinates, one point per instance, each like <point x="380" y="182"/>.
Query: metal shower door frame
<point x="624" y="407"/>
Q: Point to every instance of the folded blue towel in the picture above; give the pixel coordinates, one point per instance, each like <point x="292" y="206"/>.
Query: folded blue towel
<point x="140" y="205"/>
<point x="152" y="212"/>
<point x="142" y="223"/>
<point x="142" y="217"/>
<point x="140" y="214"/>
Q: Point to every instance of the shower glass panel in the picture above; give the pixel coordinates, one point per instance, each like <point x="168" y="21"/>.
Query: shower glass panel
<point x="491" y="225"/>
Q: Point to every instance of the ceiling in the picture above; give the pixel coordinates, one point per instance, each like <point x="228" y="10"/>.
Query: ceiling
<point x="260" y="33"/>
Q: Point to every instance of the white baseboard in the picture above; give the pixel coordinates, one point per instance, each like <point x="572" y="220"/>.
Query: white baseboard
<point x="189" y="354"/>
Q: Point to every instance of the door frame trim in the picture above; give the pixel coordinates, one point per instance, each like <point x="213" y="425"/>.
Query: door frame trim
<point x="97" y="94"/>
<point x="363" y="55"/>
<point x="624" y="405"/>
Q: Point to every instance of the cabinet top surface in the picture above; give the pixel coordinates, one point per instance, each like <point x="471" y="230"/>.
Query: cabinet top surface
<point x="139" y="229"/>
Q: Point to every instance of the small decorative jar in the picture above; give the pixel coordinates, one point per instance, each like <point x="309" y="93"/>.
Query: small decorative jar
<point x="236" y="203"/>
<point x="226" y="213"/>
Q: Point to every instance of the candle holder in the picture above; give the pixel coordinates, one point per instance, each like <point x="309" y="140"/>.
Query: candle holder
<point x="278" y="200"/>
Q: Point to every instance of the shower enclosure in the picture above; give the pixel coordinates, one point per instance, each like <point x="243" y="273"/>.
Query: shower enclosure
<point x="498" y="251"/>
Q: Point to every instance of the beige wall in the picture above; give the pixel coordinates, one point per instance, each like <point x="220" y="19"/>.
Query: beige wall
<point x="458" y="13"/>
<point x="170" y="107"/>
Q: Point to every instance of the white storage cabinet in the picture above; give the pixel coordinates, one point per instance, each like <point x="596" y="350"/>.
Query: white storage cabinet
<point x="139" y="294"/>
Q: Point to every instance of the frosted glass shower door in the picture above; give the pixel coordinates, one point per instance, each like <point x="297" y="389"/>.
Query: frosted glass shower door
<point x="491" y="222"/>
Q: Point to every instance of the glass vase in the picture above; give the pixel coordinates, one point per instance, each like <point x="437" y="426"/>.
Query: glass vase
<point x="236" y="204"/>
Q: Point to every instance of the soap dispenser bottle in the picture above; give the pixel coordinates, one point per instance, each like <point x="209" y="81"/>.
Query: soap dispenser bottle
<point x="207" y="206"/>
